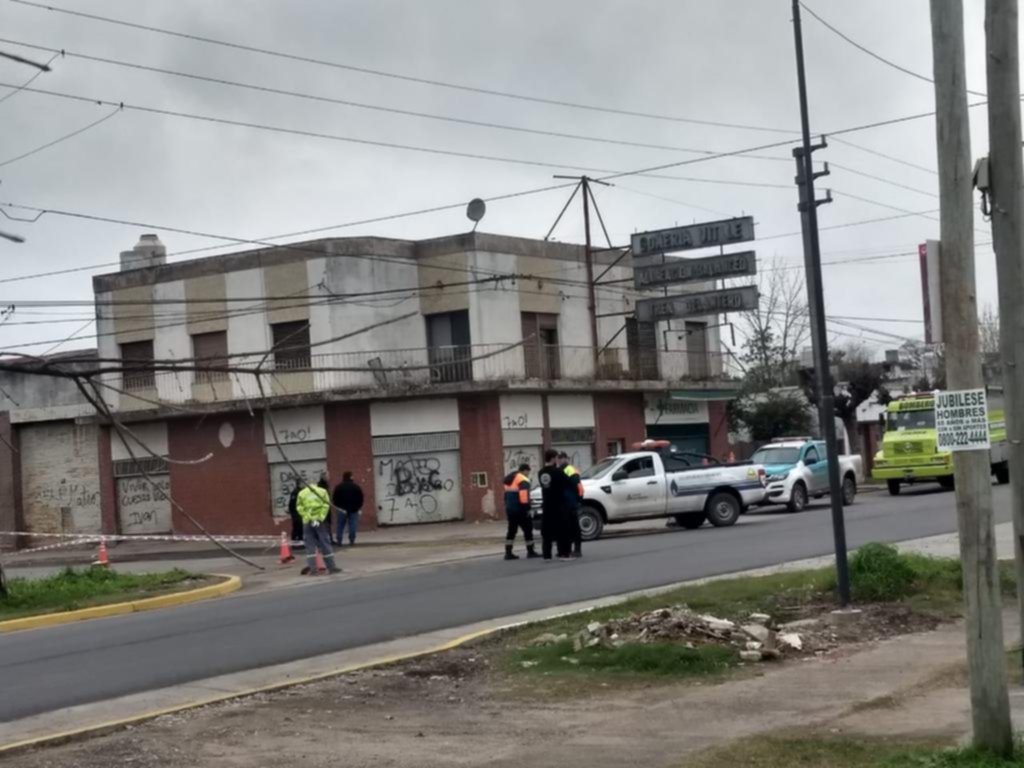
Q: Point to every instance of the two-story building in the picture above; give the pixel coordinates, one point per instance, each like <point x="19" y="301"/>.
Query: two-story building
<point x="428" y="368"/>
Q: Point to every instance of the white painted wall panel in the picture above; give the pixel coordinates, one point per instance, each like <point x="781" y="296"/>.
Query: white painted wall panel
<point x="414" y="417"/>
<point x="418" y="488"/>
<point x="295" y="425"/>
<point x="566" y="411"/>
<point x="141" y="508"/>
<point x="521" y="412"/>
<point x="247" y="333"/>
<point x="153" y="434"/>
<point x="171" y="340"/>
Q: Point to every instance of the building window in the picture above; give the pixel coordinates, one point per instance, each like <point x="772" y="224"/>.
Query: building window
<point x="614" y="447"/>
<point x="210" y="350"/>
<point x="137" y="359"/>
<point x="291" y="345"/>
<point x="449" y="352"/>
<point x="540" y="345"/>
<point x="697" y="350"/>
<point x="642" y="345"/>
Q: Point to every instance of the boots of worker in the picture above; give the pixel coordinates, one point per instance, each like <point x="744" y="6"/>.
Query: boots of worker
<point x="530" y="551"/>
<point x="331" y="567"/>
<point x="509" y="554"/>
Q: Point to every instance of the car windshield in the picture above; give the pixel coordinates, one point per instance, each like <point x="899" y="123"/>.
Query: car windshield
<point x="599" y="469"/>
<point x="776" y="456"/>
<point x="899" y="420"/>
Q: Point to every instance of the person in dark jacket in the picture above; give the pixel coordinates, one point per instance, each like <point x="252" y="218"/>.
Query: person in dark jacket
<point x="293" y="511"/>
<point x="554" y="526"/>
<point x="573" y="500"/>
<point x="517" y="510"/>
<point x="348" y="498"/>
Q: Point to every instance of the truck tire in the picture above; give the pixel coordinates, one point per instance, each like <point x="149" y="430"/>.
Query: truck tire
<point x="894" y="487"/>
<point x="1002" y="473"/>
<point x="849" y="489"/>
<point x="723" y="509"/>
<point x="691" y="521"/>
<point x="797" y="498"/>
<point x="949" y="483"/>
<point x="591" y="523"/>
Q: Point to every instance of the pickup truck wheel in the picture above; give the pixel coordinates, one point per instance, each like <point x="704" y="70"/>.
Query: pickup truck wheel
<point x="798" y="498"/>
<point x="948" y="482"/>
<point x="591" y="523"/>
<point x="849" y="490"/>
<point x="723" y="509"/>
<point x="691" y="521"/>
<point x="893" y="486"/>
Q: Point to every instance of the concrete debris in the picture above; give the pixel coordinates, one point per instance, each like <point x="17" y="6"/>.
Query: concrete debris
<point x="595" y="627"/>
<point x="760" y="618"/>
<point x="719" y="625"/>
<point x="753" y="645"/>
<point x="790" y="640"/>
<point x="528" y="664"/>
<point x="547" y="638"/>
<point x="750" y="656"/>
<point x="800" y="624"/>
<point x="759" y="632"/>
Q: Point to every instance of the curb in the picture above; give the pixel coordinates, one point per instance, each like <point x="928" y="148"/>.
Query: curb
<point x="102" y="729"/>
<point x="229" y="585"/>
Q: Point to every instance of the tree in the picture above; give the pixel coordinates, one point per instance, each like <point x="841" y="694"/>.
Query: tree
<point x="777" y="330"/>
<point x="988" y="331"/>
<point x="770" y="415"/>
<point x="857" y="379"/>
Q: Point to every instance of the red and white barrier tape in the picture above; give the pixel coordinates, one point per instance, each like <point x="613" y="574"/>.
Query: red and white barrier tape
<point x="86" y="538"/>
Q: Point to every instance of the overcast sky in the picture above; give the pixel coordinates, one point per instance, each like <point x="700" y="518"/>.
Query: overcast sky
<point x="728" y="61"/>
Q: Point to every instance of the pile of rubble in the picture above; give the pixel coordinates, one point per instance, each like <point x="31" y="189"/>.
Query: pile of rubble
<point x="758" y="638"/>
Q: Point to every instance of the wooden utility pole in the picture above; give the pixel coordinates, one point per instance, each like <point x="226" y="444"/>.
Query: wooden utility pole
<point x="986" y="657"/>
<point x="1006" y="193"/>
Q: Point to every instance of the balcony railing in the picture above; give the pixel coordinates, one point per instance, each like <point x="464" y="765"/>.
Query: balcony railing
<point x="402" y="370"/>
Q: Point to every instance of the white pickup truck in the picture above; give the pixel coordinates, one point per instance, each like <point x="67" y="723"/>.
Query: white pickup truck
<point x="797" y="469"/>
<point x="657" y="482"/>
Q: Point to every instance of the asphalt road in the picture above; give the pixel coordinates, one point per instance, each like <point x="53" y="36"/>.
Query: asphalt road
<point x="49" y="669"/>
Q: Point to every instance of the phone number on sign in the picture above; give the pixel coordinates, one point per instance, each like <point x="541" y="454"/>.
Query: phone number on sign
<point x="963" y="437"/>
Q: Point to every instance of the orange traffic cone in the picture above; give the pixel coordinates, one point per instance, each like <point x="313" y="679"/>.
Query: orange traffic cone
<point x="102" y="558"/>
<point x="286" y="549"/>
<point x="320" y="567"/>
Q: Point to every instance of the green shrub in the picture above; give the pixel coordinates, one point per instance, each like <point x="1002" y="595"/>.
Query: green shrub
<point x="879" y="572"/>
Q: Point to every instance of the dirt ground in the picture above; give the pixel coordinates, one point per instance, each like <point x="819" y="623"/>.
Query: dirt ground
<point x="456" y="709"/>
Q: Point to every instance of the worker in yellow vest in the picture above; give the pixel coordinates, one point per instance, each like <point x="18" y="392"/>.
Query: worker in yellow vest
<point x="314" y="505"/>
<point x="573" y="500"/>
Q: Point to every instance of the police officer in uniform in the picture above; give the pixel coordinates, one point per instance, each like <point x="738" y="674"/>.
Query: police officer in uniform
<point x="517" y="510"/>
<point x="554" y="525"/>
<point x="573" y="499"/>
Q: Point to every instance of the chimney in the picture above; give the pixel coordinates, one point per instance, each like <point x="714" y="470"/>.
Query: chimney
<point x="148" y="252"/>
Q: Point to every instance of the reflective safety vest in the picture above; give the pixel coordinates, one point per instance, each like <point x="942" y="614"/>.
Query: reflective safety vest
<point x="570" y="472"/>
<point x="314" y="504"/>
<point x="517" y="493"/>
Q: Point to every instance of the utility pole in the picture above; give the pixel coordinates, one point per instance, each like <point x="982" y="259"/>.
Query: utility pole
<point x="1006" y="190"/>
<point x="986" y="659"/>
<point x="816" y="302"/>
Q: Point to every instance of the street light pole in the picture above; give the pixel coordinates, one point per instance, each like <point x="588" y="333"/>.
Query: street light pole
<point x="816" y="302"/>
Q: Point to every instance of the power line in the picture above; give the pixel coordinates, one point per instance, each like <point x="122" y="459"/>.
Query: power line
<point x="56" y="141"/>
<point x="877" y="57"/>
<point x="374" y="107"/>
<point x="882" y="179"/>
<point x="611" y="173"/>
<point x="398" y="76"/>
<point x="891" y="158"/>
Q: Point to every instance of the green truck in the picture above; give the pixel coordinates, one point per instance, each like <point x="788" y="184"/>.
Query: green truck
<point x="909" y="454"/>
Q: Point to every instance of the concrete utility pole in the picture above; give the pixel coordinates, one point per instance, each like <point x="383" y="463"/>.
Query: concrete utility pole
<point x="1006" y="191"/>
<point x="986" y="657"/>
<point x="816" y="305"/>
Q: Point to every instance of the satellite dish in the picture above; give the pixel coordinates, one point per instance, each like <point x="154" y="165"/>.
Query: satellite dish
<point x="475" y="211"/>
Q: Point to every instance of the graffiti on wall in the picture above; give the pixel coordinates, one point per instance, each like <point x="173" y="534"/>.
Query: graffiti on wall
<point x="282" y="482"/>
<point x="142" y="506"/>
<point x="516" y="456"/>
<point x="418" y="488"/>
<point x="66" y="494"/>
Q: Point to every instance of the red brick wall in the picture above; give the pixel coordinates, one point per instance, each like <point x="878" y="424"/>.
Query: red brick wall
<point x="618" y="417"/>
<point x="108" y="486"/>
<point x="230" y="492"/>
<point x="718" y="427"/>
<point x="350" y="448"/>
<point x="10" y="482"/>
<point x="481" y="451"/>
